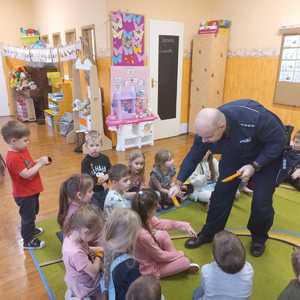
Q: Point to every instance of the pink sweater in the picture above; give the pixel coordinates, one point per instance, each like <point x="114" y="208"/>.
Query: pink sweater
<point x="147" y="251"/>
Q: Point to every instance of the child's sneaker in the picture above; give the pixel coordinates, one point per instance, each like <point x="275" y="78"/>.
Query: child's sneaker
<point x="194" y="268"/>
<point x="37" y="231"/>
<point x="35" y="243"/>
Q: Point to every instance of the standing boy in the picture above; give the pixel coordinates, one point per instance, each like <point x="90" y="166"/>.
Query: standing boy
<point x="26" y="181"/>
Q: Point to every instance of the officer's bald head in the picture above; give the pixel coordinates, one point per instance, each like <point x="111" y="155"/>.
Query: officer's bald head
<point x="210" y="124"/>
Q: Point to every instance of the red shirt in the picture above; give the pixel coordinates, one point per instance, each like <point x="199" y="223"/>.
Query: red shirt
<point x="16" y="162"/>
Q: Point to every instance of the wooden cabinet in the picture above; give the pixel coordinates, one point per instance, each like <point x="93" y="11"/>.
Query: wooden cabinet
<point x="208" y="72"/>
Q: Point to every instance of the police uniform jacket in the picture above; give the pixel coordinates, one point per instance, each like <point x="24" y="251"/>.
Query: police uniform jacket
<point x="252" y="133"/>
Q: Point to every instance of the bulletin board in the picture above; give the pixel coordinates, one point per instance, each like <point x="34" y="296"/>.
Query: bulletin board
<point x="127" y="39"/>
<point x="287" y="90"/>
<point x="130" y="76"/>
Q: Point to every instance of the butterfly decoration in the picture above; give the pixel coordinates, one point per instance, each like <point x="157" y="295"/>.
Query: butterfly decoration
<point x="128" y="34"/>
<point x="128" y="51"/>
<point x="137" y="19"/>
<point x="140" y="57"/>
<point x="117" y="51"/>
<point x="117" y="59"/>
<point x="117" y="34"/>
<point x="128" y="38"/>
<point x="127" y="17"/>
<point x="117" y="20"/>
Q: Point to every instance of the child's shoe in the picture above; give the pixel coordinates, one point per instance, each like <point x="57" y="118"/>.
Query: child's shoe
<point x="194" y="268"/>
<point x="37" y="231"/>
<point x="35" y="243"/>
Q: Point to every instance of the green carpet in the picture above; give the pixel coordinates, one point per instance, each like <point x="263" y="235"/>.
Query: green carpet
<point x="272" y="271"/>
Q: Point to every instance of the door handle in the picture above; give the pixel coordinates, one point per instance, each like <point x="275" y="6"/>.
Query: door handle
<point x="153" y="82"/>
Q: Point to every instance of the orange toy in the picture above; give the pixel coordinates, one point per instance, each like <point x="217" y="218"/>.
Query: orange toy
<point x="231" y="177"/>
<point x="175" y="202"/>
<point x="99" y="253"/>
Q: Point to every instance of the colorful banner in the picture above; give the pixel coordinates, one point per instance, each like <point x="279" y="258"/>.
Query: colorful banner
<point x="127" y="39"/>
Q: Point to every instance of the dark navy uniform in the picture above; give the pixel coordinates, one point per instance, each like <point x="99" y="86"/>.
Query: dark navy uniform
<point x="252" y="134"/>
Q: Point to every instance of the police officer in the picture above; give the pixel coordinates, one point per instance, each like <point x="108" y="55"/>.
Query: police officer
<point x="251" y="140"/>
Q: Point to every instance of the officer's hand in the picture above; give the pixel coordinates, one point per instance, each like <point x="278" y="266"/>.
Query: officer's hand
<point x="296" y="174"/>
<point x="174" y="190"/>
<point x="247" y="172"/>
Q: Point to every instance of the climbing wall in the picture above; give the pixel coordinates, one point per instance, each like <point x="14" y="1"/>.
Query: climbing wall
<point x="208" y="72"/>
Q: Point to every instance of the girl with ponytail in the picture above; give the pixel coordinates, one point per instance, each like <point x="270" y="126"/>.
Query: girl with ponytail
<point x="74" y="191"/>
<point x="154" y="249"/>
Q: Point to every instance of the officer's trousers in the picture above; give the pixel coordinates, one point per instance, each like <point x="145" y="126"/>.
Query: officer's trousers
<point x="262" y="212"/>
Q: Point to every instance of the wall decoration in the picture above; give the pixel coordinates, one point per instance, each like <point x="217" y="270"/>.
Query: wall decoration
<point x="127" y="39"/>
<point x="129" y="92"/>
<point x="42" y="55"/>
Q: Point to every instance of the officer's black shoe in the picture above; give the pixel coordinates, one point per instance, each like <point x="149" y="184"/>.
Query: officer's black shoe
<point x="197" y="242"/>
<point x="257" y="249"/>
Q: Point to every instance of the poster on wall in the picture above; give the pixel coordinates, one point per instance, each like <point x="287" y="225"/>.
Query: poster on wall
<point x="127" y="39"/>
<point x="129" y="92"/>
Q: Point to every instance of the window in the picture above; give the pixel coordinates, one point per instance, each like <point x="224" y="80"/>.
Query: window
<point x="288" y="80"/>
<point x="70" y="36"/>
<point x="89" y="42"/>
<point x="56" y="39"/>
<point x="45" y="38"/>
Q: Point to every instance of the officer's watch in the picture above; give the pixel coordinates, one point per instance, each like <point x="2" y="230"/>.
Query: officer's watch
<point x="256" y="166"/>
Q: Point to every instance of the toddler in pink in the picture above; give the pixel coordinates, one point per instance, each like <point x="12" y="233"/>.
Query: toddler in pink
<point x="154" y="249"/>
<point x="82" y="262"/>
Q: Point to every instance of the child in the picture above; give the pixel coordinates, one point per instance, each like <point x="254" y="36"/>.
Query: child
<point x="82" y="263"/>
<point x="294" y="173"/>
<point x="120" y="181"/>
<point x="290" y="170"/>
<point x="230" y="276"/>
<point x="154" y="249"/>
<point x="145" y="288"/>
<point x="292" y="291"/>
<point x="97" y="165"/>
<point x="120" y="234"/>
<point x="204" y="178"/>
<point x="76" y="191"/>
<point x="162" y="175"/>
<point x="26" y="181"/>
<point x="137" y="173"/>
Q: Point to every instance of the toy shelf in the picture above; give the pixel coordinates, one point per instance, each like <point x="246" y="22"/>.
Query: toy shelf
<point x="58" y="105"/>
<point x="28" y="40"/>
<point x="134" y="135"/>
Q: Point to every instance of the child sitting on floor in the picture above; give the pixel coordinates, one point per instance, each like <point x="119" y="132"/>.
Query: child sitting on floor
<point x="74" y="192"/>
<point x="294" y="163"/>
<point x="292" y="291"/>
<point x="97" y="165"/>
<point x="229" y="276"/>
<point x="154" y="249"/>
<point x="83" y="263"/>
<point x="136" y="164"/>
<point x="121" y="269"/>
<point x="145" y="288"/>
<point x="204" y="178"/>
<point x="120" y="181"/>
<point x="162" y="175"/>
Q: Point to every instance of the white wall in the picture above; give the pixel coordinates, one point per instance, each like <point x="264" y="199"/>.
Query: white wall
<point x="13" y="15"/>
<point x="255" y="23"/>
<point x="53" y="16"/>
